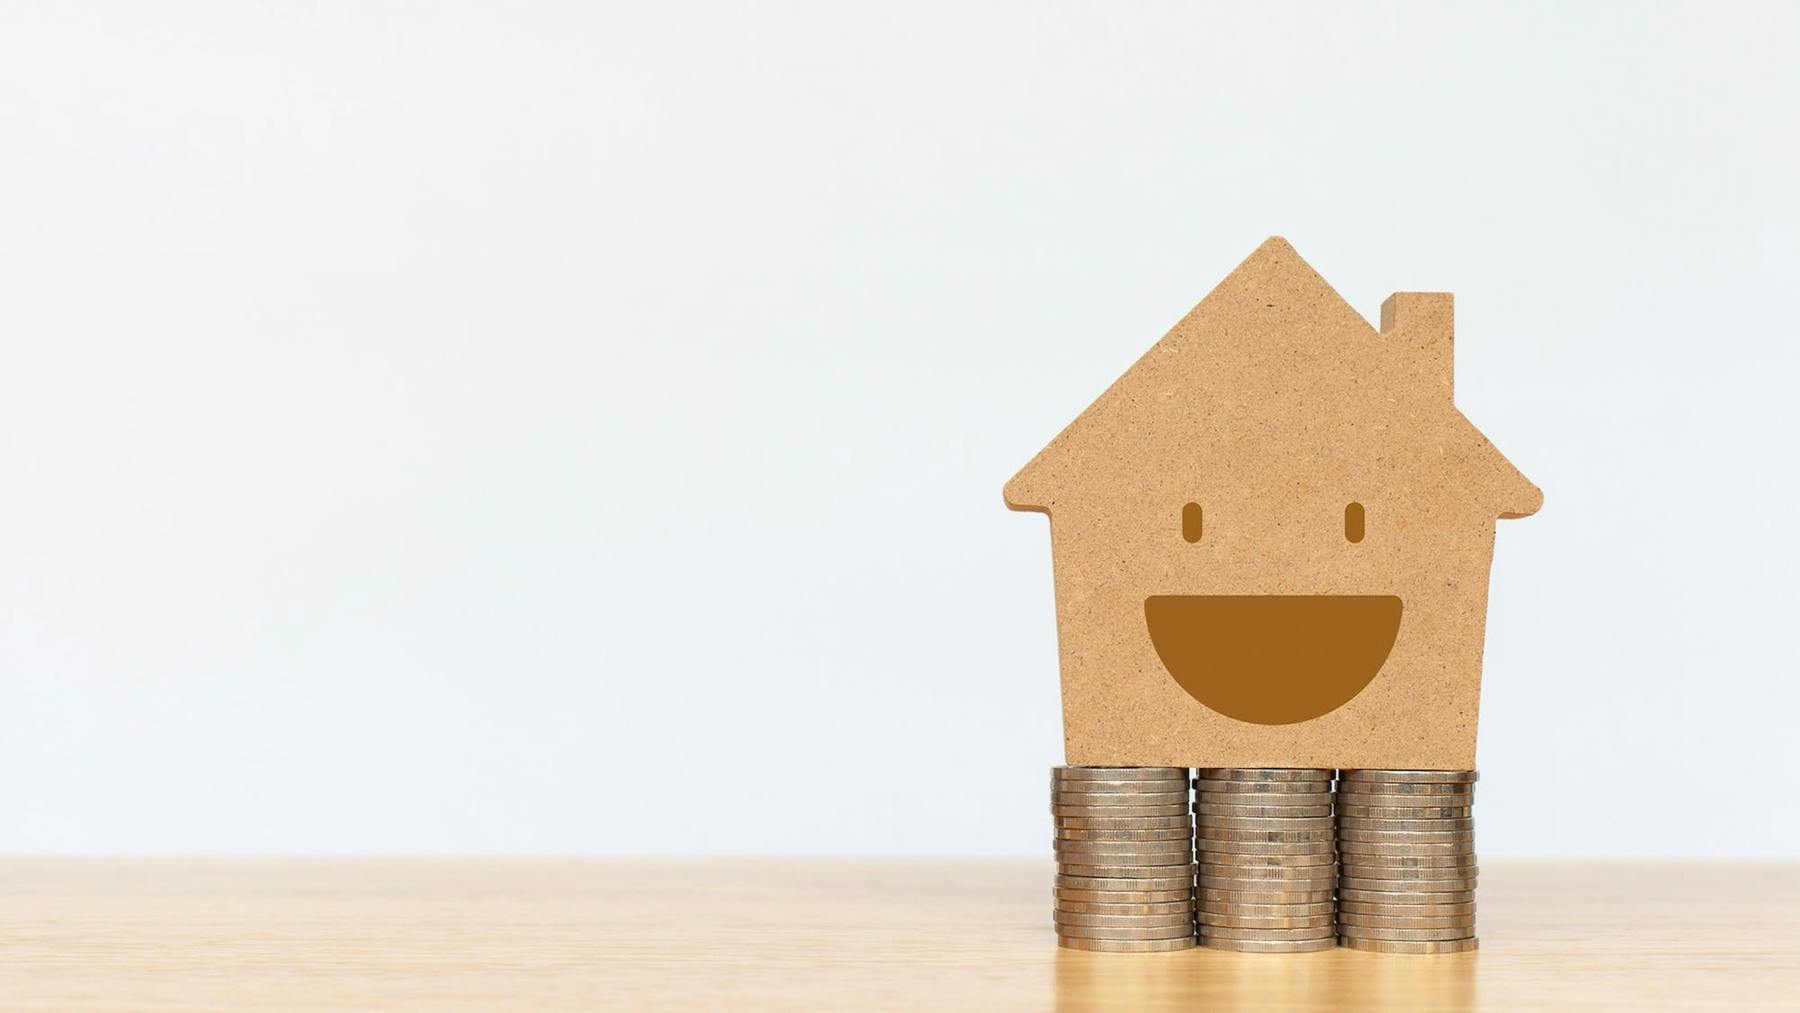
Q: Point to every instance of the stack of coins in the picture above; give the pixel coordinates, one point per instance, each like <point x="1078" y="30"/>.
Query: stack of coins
<point x="1408" y="846"/>
<point x="1264" y="840"/>
<point x="1124" y="855"/>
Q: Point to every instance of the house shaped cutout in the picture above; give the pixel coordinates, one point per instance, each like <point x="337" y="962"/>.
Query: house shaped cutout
<point x="1272" y="537"/>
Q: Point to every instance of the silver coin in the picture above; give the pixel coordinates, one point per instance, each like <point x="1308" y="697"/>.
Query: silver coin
<point x="1285" y="813"/>
<point x="1220" y="920"/>
<point x="1371" y="848"/>
<point x="1263" y="787"/>
<point x="1255" y="848"/>
<point x="1261" y="774"/>
<point x="1269" y="861"/>
<point x="1116" y="794"/>
<point x="1178" y="845"/>
<point x="1464" y="922"/>
<point x="1354" y="804"/>
<point x="1181" y="856"/>
<point x="1222" y="932"/>
<point x="1127" y="866"/>
<point x="1119" y="773"/>
<point x="1124" y="921"/>
<point x="1405" y="910"/>
<point x="1135" y="789"/>
<point x="1371" y="812"/>
<point x="1398" y="946"/>
<point x="1231" y="883"/>
<point x="1434" y="791"/>
<point x="1114" y="885"/>
<point x="1407" y="837"/>
<point x="1411" y="935"/>
<point x="1098" y="908"/>
<point x="1406" y="826"/>
<point x="1318" y="865"/>
<point x="1302" y="890"/>
<point x="1209" y="896"/>
<point x="1271" y="910"/>
<point x="1412" y="805"/>
<point x="1222" y="852"/>
<point x="1267" y="823"/>
<point x="1271" y="945"/>
<point x="1321" y="855"/>
<point x="1208" y="837"/>
<point x="1182" y="834"/>
<point x="1127" y="945"/>
<point x="1086" y="935"/>
<point x="1074" y="895"/>
<point x="1123" y="883"/>
<point x="1265" y="885"/>
<point x="1311" y="799"/>
<point x="1407" y="885"/>
<point x="1271" y="878"/>
<point x="1391" y="897"/>
<point x="1115" y="811"/>
<point x="1124" y="866"/>
<point x="1288" y="874"/>
<point x="1395" y="875"/>
<point x="1413" y="776"/>
<point x="1140" y="798"/>
<point x="1107" y="932"/>
<point x="1180" y="868"/>
<point x="1451" y="861"/>
<point x="1217" y="833"/>
<point x="1181" y="821"/>
<point x="1161" y="783"/>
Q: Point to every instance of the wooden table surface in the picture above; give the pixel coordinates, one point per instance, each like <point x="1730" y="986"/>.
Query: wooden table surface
<point x="518" y="934"/>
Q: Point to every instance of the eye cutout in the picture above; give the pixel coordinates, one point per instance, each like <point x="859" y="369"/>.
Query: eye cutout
<point x="1192" y="522"/>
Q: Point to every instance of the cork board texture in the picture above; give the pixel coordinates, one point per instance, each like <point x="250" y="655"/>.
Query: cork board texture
<point x="1272" y="537"/>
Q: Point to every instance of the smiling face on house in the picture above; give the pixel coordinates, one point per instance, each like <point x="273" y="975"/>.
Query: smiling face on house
<point x="1273" y="659"/>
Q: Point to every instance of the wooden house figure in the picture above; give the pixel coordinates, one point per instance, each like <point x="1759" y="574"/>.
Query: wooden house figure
<point x="1272" y="537"/>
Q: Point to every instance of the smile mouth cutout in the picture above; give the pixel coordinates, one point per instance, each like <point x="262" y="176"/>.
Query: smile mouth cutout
<point x="1273" y="659"/>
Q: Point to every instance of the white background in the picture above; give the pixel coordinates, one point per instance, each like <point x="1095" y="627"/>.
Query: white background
<point x="575" y="428"/>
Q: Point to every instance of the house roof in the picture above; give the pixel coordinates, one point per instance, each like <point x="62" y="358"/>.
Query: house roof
<point x="1273" y="360"/>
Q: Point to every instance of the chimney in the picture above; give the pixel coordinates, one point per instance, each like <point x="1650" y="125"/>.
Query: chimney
<point x="1425" y="323"/>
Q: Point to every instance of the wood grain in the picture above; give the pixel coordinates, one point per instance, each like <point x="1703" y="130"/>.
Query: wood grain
<point x="443" y="934"/>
